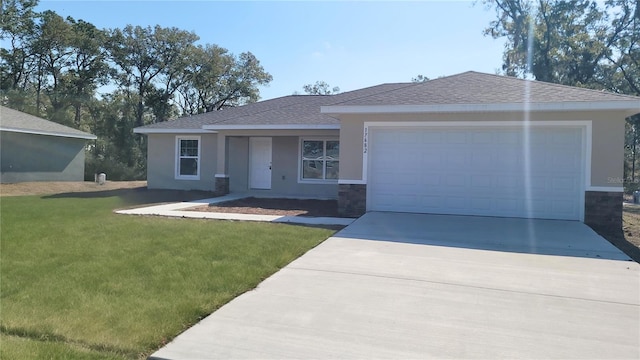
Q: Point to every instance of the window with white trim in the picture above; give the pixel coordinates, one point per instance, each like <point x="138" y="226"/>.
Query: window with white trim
<point x="319" y="159"/>
<point x="188" y="157"/>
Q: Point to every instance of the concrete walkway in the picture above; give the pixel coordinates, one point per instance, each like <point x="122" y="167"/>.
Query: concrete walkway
<point x="178" y="210"/>
<point x="409" y="286"/>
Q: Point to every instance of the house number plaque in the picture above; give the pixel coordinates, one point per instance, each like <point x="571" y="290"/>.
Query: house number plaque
<point x="365" y="142"/>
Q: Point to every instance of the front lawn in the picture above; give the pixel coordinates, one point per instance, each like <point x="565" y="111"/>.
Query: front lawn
<point x="78" y="281"/>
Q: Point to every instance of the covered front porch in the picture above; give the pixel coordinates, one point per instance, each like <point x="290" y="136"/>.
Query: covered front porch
<point x="284" y="163"/>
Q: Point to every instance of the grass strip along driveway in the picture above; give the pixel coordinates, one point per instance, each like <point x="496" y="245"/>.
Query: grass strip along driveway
<point x="79" y="281"/>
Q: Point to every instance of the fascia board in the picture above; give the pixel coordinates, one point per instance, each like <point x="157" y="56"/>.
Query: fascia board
<point x="626" y="105"/>
<point x="50" y="133"/>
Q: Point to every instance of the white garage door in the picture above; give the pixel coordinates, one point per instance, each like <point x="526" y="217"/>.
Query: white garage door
<point x="480" y="171"/>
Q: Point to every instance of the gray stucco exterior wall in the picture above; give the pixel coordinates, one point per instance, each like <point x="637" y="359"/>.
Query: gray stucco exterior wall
<point x="29" y="157"/>
<point x="161" y="163"/>
<point x="238" y="164"/>
<point x="284" y="175"/>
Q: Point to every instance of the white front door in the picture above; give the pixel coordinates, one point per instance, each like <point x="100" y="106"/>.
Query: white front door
<point x="260" y="163"/>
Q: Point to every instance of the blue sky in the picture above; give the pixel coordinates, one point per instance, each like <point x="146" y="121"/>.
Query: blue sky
<point x="346" y="44"/>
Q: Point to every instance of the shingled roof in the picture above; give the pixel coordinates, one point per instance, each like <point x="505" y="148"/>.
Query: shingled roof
<point x="477" y="88"/>
<point x="291" y="111"/>
<point x="17" y="121"/>
<point x="468" y="91"/>
<point x="474" y="91"/>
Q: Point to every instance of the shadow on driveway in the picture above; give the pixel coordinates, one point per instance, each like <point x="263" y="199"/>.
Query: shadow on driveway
<point x="532" y="236"/>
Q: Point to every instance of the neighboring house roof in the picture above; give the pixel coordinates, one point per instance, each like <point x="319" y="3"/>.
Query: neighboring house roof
<point x="17" y="121"/>
<point x="469" y="91"/>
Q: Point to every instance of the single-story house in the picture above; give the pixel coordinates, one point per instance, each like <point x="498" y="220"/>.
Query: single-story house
<point x="467" y="144"/>
<point x="35" y="149"/>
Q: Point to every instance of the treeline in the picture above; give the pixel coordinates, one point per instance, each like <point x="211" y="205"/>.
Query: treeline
<point x="53" y="67"/>
<point x="584" y="43"/>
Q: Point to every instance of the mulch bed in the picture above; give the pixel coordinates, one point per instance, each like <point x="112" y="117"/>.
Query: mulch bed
<point x="276" y="206"/>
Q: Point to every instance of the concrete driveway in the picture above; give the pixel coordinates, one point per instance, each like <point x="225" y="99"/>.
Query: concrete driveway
<point x="409" y="286"/>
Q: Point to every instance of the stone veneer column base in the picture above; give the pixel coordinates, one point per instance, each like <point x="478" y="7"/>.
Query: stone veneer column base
<point x="221" y="186"/>
<point x="352" y="199"/>
<point x="603" y="210"/>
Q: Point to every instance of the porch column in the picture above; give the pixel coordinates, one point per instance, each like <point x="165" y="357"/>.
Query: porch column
<point x="222" y="174"/>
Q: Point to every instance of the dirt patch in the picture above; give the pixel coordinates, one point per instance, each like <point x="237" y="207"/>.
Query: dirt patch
<point x="631" y="224"/>
<point x="279" y="206"/>
<point x="59" y="187"/>
<point x="627" y="239"/>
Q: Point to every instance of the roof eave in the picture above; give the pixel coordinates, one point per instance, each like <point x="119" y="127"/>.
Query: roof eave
<point x="631" y="107"/>
<point x="50" y="133"/>
<point x="171" y="131"/>
<point x="274" y="127"/>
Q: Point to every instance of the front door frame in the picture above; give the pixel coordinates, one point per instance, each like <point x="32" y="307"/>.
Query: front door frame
<point x="258" y="178"/>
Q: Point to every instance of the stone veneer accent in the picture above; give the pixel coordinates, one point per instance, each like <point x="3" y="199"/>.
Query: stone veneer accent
<point x="603" y="210"/>
<point x="352" y="199"/>
<point x="221" y="186"/>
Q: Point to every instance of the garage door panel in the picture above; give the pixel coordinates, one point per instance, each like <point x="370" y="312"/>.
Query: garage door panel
<point x="477" y="172"/>
<point x="431" y="138"/>
<point x="411" y="157"/>
<point x="480" y="137"/>
<point x="409" y="137"/>
<point x="455" y="181"/>
<point x="431" y="159"/>
<point x="484" y="159"/>
<point x="430" y="180"/>
<point x="481" y="203"/>
<point x="431" y="201"/>
<point x="482" y="181"/>
<point x="538" y="138"/>
<point x="563" y="184"/>
<point x="566" y="159"/>
<point x="562" y="206"/>
<point x="455" y="160"/>
<point x="506" y="206"/>
<point x="456" y="202"/>
<point x="386" y="178"/>
<point x="456" y="137"/>
<point x="510" y="183"/>
<point x="510" y="160"/>
<point x="510" y="137"/>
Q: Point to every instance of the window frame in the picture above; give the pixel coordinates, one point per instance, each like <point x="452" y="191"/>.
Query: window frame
<point x="324" y="160"/>
<point x="178" y="157"/>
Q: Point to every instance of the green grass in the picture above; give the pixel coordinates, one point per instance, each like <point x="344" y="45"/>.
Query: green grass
<point x="78" y="279"/>
<point x="14" y="347"/>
